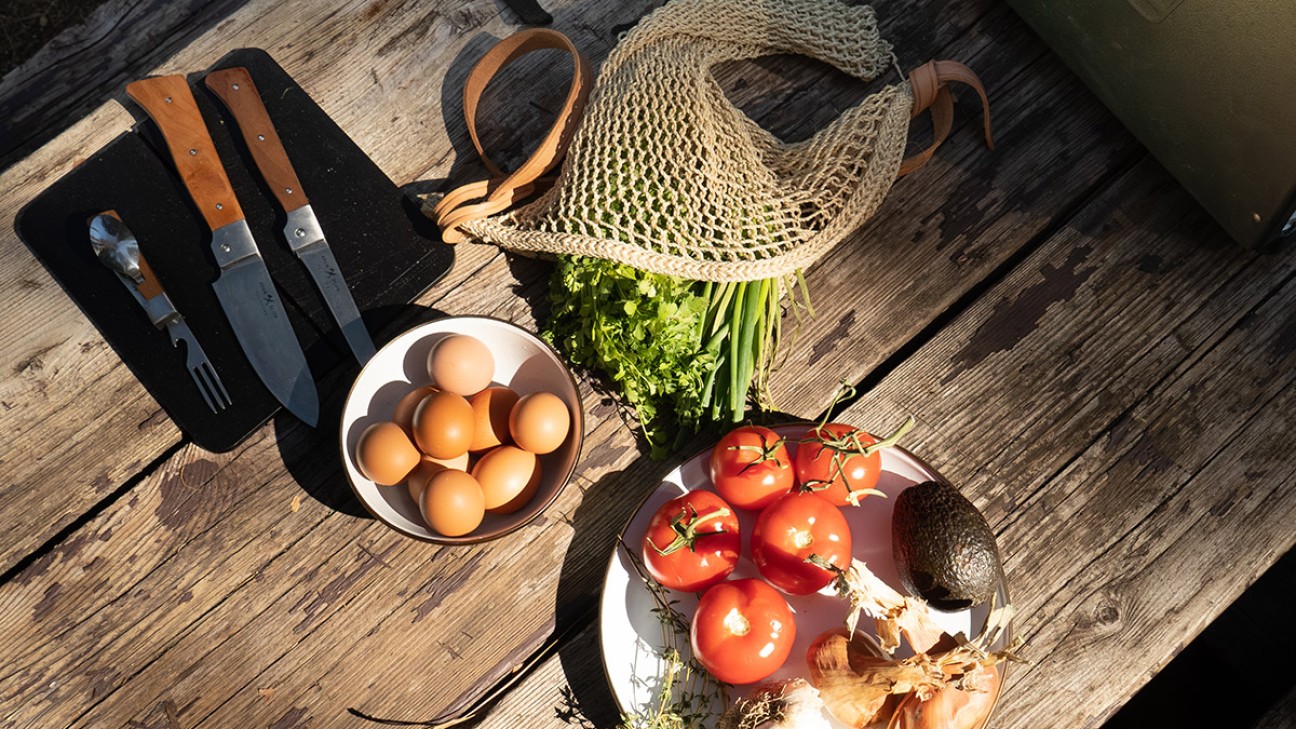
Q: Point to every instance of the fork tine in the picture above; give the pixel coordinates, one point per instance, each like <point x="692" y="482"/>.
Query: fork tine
<point x="198" y="379"/>
<point x="219" y="386"/>
<point x="205" y="372"/>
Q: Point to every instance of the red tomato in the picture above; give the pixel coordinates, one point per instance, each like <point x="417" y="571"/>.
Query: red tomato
<point x="742" y="631"/>
<point x="692" y="542"/>
<point x="750" y="467"/>
<point x="842" y="463"/>
<point x="789" y="531"/>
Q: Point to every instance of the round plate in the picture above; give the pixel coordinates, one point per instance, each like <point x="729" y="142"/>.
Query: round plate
<point x="523" y="362"/>
<point x="630" y="634"/>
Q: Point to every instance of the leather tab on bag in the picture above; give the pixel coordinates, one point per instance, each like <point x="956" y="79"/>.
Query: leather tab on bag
<point x="502" y="191"/>
<point x="929" y="85"/>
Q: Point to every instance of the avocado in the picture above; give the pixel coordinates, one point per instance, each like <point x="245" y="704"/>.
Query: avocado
<point x="943" y="547"/>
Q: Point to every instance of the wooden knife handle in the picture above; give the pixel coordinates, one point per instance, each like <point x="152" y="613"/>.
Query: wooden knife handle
<point x="234" y="87"/>
<point x="171" y="105"/>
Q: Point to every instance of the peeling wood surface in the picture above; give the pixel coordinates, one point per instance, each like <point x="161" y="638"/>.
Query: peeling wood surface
<point x="1086" y="355"/>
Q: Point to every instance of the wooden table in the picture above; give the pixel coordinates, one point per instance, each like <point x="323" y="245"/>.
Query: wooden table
<point x="1088" y="357"/>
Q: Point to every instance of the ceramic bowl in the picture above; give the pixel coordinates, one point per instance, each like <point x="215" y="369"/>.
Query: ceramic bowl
<point x="523" y="362"/>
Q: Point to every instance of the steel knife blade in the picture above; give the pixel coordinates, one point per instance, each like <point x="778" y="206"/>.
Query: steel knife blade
<point x="244" y="288"/>
<point x="235" y="88"/>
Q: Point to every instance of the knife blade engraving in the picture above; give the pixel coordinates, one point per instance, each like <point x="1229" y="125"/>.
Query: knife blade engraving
<point x="246" y="293"/>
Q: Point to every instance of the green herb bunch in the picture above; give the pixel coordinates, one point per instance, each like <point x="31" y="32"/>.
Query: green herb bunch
<point x="683" y="353"/>
<point x="640" y="329"/>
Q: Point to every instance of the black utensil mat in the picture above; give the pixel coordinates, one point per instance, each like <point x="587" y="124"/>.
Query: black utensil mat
<point x="388" y="252"/>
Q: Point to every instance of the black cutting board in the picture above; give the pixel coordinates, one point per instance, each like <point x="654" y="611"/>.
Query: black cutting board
<point x="388" y="252"/>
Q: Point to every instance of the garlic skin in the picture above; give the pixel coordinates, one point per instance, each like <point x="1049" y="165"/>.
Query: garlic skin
<point x="789" y="704"/>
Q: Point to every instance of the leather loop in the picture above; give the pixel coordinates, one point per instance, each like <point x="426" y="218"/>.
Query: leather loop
<point x="484" y="198"/>
<point x="929" y="85"/>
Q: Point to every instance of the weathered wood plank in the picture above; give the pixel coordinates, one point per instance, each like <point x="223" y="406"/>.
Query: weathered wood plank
<point x="1152" y="506"/>
<point x="63" y="366"/>
<point x="316" y="667"/>
<point x="1116" y="393"/>
<point x="567" y="690"/>
<point x="71" y="75"/>
<point x="1162" y="583"/>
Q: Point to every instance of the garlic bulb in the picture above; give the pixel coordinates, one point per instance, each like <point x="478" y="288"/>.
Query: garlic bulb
<point x="790" y="704"/>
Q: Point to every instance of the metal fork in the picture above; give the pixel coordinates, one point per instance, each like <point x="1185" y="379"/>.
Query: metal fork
<point x="117" y="249"/>
<point x="200" y="367"/>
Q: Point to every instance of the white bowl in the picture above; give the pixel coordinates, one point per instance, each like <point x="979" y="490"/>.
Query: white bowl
<point x="523" y="362"/>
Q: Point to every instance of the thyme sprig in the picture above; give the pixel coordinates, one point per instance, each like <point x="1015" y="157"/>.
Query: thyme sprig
<point x="687" y="696"/>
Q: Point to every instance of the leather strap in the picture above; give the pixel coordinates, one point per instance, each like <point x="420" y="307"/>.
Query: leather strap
<point x="484" y="198"/>
<point x="929" y="85"/>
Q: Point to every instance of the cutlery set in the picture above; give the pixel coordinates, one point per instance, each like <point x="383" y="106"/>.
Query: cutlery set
<point x="117" y="249"/>
<point x="244" y="289"/>
<point x="251" y="235"/>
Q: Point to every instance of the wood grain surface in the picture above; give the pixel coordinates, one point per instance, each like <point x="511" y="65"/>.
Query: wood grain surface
<point x="1086" y="355"/>
<point x="70" y="77"/>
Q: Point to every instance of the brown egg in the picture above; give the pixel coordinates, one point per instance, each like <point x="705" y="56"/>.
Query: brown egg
<point x="491" y="408"/>
<point x="540" y="422"/>
<point x="428" y="467"/>
<point x="503" y="473"/>
<point x="461" y="364"/>
<point x="453" y="503"/>
<point x="524" y="497"/>
<point x="385" y="454"/>
<point x="404" y="416"/>
<point x="444" y="425"/>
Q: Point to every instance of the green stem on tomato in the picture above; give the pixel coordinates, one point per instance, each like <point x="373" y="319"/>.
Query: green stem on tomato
<point x="686" y="535"/>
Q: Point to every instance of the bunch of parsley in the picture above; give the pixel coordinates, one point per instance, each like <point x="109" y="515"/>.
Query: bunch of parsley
<point x="644" y="331"/>
<point x="683" y="353"/>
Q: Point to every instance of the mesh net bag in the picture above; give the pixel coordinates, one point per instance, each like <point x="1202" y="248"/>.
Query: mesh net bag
<point x="665" y="174"/>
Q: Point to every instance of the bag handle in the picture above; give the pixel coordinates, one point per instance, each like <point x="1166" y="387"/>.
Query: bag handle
<point x="929" y="85"/>
<point x="477" y="200"/>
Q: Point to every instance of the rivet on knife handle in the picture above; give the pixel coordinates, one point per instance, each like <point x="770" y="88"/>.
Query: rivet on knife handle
<point x="171" y="105"/>
<point x="303" y="232"/>
<point x="246" y="293"/>
<point x="235" y="89"/>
